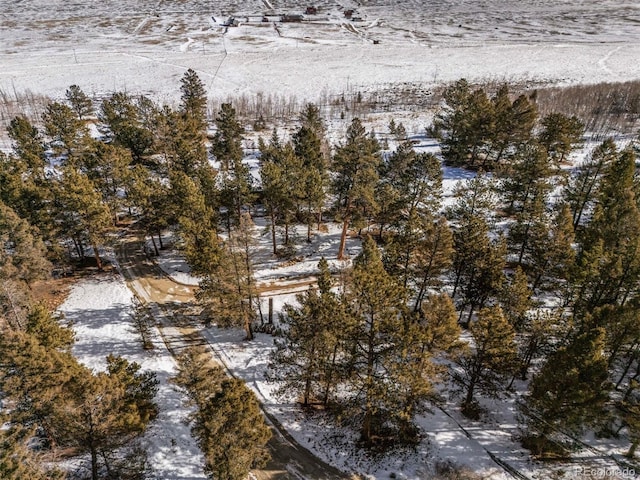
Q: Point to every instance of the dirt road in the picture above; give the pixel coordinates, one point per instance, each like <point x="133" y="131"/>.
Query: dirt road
<point x="289" y="460"/>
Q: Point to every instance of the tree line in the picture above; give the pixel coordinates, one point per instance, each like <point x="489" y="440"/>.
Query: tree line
<point x="525" y="229"/>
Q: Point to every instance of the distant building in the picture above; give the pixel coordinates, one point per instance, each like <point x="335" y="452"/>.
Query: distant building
<point x="292" y="18"/>
<point x="231" y="22"/>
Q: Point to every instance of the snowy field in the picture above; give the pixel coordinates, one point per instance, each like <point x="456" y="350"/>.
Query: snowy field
<point x="145" y="46"/>
<point x="100" y="310"/>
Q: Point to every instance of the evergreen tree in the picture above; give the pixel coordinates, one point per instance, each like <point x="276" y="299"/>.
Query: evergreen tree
<point x="19" y="461"/>
<point x="608" y="264"/>
<point x="526" y="180"/>
<point x="22" y="251"/>
<point x="193" y="99"/>
<point x="440" y="323"/>
<point x="434" y="256"/>
<point x="123" y="124"/>
<point x="355" y="165"/>
<point x="478" y="265"/>
<point x="513" y="124"/>
<point x="236" y="181"/>
<point x="309" y="145"/>
<point x="390" y="375"/>
<point x="516" y="299"/>
<point x="198" y="375"/>
<point x="584" y="183"/>
<point x="560" y="135"/>
<point x="488" y="363"/>
<point x="197" y="224"/>
<point x="104" y="412"/>
<point x="28" y="144"/>
<point x="46" y="329"/>
<point x="231" y="432"/>
<point x="80" y="103"/>
<point x="67" y="133"/>
<point x="281" y="172"/>
<point x="107" y="166"/>
<point x="551" y="251"/>
<point x="83" y="215"/>
<point x="537" y="334"/>
<point x="228" y="288"/>
<point x="451" y="126"/>
<point x="307" y="358"/>
<point x="569" y="392"/>
<point x="226" y="145"/>
<point x="150" y="195"/>
<point x="475" y="197"/>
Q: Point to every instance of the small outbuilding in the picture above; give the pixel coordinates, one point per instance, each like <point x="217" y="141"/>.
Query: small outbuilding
<point x="294" y="18"/>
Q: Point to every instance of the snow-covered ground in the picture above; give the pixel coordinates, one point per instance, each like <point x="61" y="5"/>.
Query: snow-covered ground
<point x="45" y="46"/>
<point x="100" y="308"/>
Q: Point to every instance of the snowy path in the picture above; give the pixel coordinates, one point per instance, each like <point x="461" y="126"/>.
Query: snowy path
<point x="100" y="308"/>
<point x="289" y="459"/>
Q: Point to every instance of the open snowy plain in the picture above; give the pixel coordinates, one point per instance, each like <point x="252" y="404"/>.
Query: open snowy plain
<point x="145" y="46"/>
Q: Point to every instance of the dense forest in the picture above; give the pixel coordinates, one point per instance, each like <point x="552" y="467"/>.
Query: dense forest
<point x="525" y="283"/>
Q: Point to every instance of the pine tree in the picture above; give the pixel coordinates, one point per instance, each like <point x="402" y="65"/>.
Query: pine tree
<point x="526" y="180"/>
<point x="104" y="412"/>
<point x="441" y="331"/>
<point x="552" y="255"/>
<point x="281" y="173"/>
<point x="410" y="185"/>
<point x="570" y="390"/>
<point x="390" y="374"/>
<point x="198" y="375"/>
<point x="226" y="145"/>
<point x="355" y="165"/>
<point x="28" y="144"/>
<point x="150" y="195"/>
<point x="193" y="99"/>
<point x="107" y="167"/>
<point x="560" y="135"/>
<point x="67" y="133"/>
<point x="488" y="363"/>
<point x="584" y="183"/>
<point x="478" y="265"/>
<point x="608" y="264"/>
<point x="537" y="334"/>
<point x="46" y="329"/>
<point x="231" y="432"/>
<point x="513" y="124"/>
<point x="309" y="145"/>
<point x="19" y="461"/>
<point x="228" y="288"/>
<point x="516" y="299"/>
<point x="123" y="124"/>
<point x="79" y="101"/>
<point x="451" y="125"/>
<point x="22" y="251"/>
<point x="83" y="215"/>
<point x="475" y="197"/>
<point x="307" y="357"/>
<point x="434" y="256"/>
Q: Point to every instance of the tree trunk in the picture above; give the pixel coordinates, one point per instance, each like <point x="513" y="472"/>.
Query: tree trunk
<point x="160" y="239"/>
<point x="155" y="247"/>
<point x="96" y="254"/>
<point x="273" y="233"/>
<point x="94" y="463"/>
<point x="343" y="238"/>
